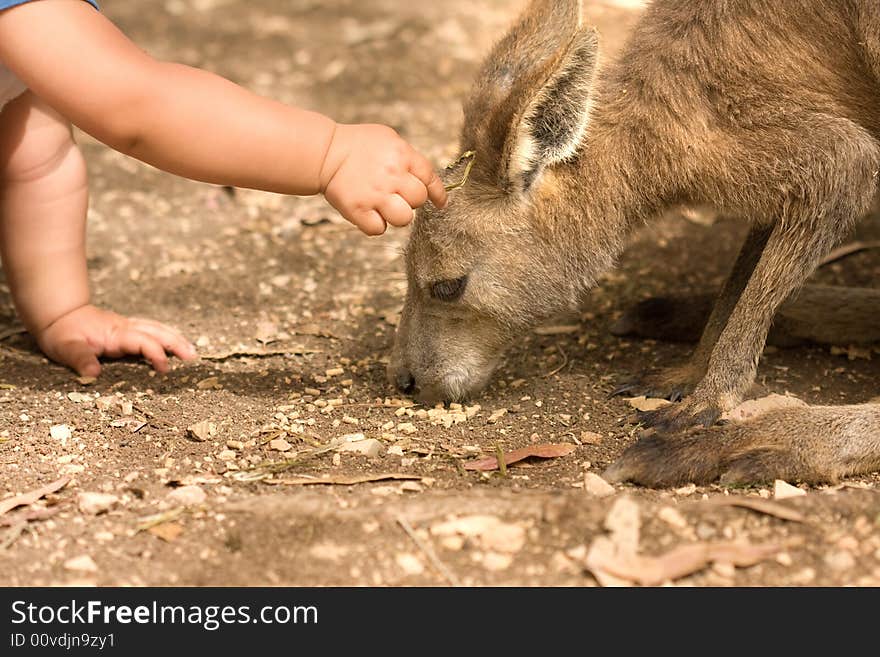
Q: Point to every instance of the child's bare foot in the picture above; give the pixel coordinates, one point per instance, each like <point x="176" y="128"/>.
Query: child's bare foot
<point x="78" y="338"/>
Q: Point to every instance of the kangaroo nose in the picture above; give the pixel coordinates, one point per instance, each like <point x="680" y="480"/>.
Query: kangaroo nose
<point x="406" y="383"/>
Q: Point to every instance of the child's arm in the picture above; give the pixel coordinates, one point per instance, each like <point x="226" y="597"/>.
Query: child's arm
<point x="198" y="125"/>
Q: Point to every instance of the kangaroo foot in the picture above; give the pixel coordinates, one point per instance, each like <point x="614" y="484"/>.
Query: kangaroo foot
<point x="676" y="418"/>
<point x="673" y="384"/>
<point x="811" y="445"/>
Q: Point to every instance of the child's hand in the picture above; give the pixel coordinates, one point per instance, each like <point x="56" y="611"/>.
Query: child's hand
<point x="374" y="178"/>
<point x="79" y="337"/>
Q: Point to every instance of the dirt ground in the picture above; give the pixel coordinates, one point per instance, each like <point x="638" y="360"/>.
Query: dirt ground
<point x="294" y="312"/>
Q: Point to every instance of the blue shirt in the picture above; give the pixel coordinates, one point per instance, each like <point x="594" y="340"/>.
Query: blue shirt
<point x="6" y="4"/>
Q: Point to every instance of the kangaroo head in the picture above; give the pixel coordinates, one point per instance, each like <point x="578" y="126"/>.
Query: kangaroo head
<point x="495" y="260"/>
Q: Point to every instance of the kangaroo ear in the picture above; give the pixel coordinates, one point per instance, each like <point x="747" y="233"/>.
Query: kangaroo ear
<point x="552" y="122"/>
<point x="543" y="29"/>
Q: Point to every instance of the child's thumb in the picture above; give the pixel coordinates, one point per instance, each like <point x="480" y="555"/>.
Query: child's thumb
<point x="80" y="357"/>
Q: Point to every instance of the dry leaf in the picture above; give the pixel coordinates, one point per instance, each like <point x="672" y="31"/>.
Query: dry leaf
<point x="342" y="480"/>
<point x="760" y="506"/>
<point x="29" y="498"/>
<point x="167" y="531"/>
<point x="645" y="404"/>
<point x="546" y="451"/>
<point x="675" y="564"/>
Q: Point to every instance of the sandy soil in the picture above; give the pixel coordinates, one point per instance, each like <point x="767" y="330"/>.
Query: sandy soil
<point x="294" y="313"/>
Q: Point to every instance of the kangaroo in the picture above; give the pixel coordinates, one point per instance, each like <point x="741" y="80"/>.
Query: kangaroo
<point x="764" y="110"/>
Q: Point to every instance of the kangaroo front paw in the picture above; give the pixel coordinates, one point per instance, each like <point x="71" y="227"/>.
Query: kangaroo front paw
<point x="673" y="384"/>
<point x="677" y="418"/>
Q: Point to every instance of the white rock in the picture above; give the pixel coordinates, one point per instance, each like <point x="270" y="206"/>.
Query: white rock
<point x="60" y="432"/>
<point x="840" y="560"/>
<point x="492" y="533"/>
<point x="95" y="503"/>
<point x="496" y="562"/>
<point x="369" y="447"/>
<point x="353" y="437"/>
<point x="782" y="490"/>
<point x="410" y="563"/>
<point x="81" y="564"/>
<point x="279" y="445"/>
<point x="624" y="522"/>
<point x="187" y="496"/>
<point x="672" y="517"/>
<point x="595" y="485"/>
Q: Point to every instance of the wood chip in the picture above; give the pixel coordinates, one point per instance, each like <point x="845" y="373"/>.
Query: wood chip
<point x="591" y="438"/>
<point x="26" y="499"/>
<point x="201" y="431"/>
<point x="167" y="531"/>
<point x="546" y="451"/>
<point x="558" y="329"/>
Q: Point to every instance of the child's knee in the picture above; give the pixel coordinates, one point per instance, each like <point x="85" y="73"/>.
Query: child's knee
<point x="34" y="141"/>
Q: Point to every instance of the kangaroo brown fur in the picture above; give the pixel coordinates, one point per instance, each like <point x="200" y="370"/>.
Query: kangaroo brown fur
<point x="764" y="110"/>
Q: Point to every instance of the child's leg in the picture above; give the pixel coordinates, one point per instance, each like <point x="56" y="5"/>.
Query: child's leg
<point x="43" y="207"/>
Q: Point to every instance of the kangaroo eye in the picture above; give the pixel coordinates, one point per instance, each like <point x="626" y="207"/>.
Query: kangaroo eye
<point x="449" y="290"/>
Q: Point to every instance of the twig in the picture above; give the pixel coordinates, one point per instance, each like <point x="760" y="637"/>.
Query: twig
<point x="159" y="518"/>
<point x="502" y="464"/>
<point x="26" y="499"/>
<point x="259" y="353"/>
<point x="13" y="534"/>
<point x="557" y="370"/>
<point x="15" y="330"/>
<point x="428" y="551"/>
<point x="847" y="250"/>
<point x="467" y="171"/>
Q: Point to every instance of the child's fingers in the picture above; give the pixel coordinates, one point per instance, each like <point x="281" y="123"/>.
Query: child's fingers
<point x="170" y="339"/>
<point x="137" y="342"/>
<point x="396" y="211"/>
<point x="413" y="191"/>
<point x="422" y="169"/>
<point x="369" y="221"/>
